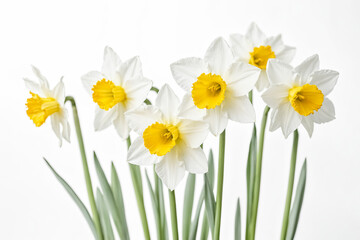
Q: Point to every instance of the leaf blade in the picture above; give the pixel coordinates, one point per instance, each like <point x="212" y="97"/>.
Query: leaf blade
<point x="188" y="205"/>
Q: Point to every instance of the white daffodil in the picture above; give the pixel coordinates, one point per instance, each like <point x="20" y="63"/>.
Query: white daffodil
<point x="216" y="87"/>
<point x="299" y="95"/>
<point x="119" y="87"/>
<point x="256" y="49"/>
<point x="169" y="142"/>
<point x="45" y="102"/>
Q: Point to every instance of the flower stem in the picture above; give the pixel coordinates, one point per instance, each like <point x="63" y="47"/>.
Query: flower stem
<point x="136" y="178"/>
<point x="258" y="176"/>
<point x="174" y="224"/>
<point x="220" y="182"/>
<point x="89" y="187"/>
<point x="290" y="185"/>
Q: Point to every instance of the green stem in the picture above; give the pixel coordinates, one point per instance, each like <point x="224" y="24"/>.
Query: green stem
<point x="136" y="177"/>
<point x="258" y="176"/>
<point x="290" y="185"/>
<point x="174" y="224"/>
<point x="220" y="182"/>
<point x="89" y="187"/>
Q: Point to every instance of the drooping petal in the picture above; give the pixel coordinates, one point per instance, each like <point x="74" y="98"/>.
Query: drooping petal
<point x="326" y="113"/>
<point x="142" y="117"/>
<point x="286" y="54"/>
<point x="130" y="69"/>
<point x="187" y="70"/>
<point x="171" y="169"/>
<point x="55" y="124"/>
<point x="136" y="91"/>
<point x="239" y="109"/>
<point x="193" y="133"/>
<point x="256" y="36"/>
<point x="217" y="120"/>
<point x="32" y="86"/>
<point x="167" y="102"/>
<point x="263" y="81"/>
<point x="219" y="56"/>
<point x="195" y="160"/>
<point x="90" y="79"/>
<point x="325" y="80"/>
<point x="111" y="63"/>
<point x="241" y="47"/>
<point x="103" y="119"/>
<point x="308" y="124"/>
<point x="120" y="123"/>
<point x="308" y="66"/>
<point x="275" y="95"/>
<point x="138" y="154"/>
<point x="275" y="122"/>
<point x="59" y="92"/>
<point x="188" y="110"/>
<point x="279" y="72"/>
<point x="241" y="78"/>
<point x="289" y="118"/>
<point x="43" y="81"/>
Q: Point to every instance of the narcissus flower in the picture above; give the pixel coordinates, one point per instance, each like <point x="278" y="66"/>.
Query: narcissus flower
<point x="45" y="103"/>
<point x="119" y="87"/>
<point x="256" y="49"/>
<point x="169" y="142"/>
<point x="299" y="96"/>
<point x="216" y="87"/>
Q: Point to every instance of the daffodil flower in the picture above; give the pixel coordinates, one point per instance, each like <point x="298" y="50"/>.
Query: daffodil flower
<point x="299" y="95"/>
<point x="166" y="140"/>
<point x="216" y="86"/>
<point x="256" y="49"/>
<point x="45" y="103"/>
<point x="119" y="87"/>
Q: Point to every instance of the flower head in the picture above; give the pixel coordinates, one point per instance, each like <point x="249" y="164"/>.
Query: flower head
<point x="299" y="95"/>
<point x="216" y="87"/>
<point x="119" y="87"/>
<point x="45" y="103"/>
<point x="256" y="49"/>
<point x="166" y="140"/>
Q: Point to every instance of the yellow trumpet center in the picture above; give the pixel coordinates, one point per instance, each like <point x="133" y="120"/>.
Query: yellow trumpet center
<point x="208" y="91"/>
<point x="260" y="56"/>
<point x="40" y="108"/>
<point x="306" y="99"/>
<point x="106" y="94"/>
<point x="160" y="138"/>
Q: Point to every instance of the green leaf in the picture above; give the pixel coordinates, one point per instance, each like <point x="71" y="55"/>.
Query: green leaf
<point x="76" y="199"/>
<point x="188" y="205"/>
<point x="211" y="169"/>
<point x="209" y="203"/>
<point x="155" y="206"/>
<point x="110" y="201"/>
<point x="160" y="196"/>
<point x="238" y="221"/>
<point x="195" y="221"/>
<point x="205" y="227"/>
<point x="297" y="204"/>
<point x="118" y="196"/>
<point x="104" y="216"/>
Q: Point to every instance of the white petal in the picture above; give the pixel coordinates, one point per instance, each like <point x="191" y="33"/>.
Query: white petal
<point x="289" y="118"/>
<point x="188" y="110"/>
<point x="111" y="63"/>
<point x="217" y="120"/>
<point x="168" y="103"/>
<point x="59" y="92"/>
<point x="276" y="43"/>
<point x="195" y="160"/>
<point x="103" y="119"/>
<point x="171" y="169"/>
<point x="308" y="66"/>
<point x="136" y="91"/>
<point x="43" y="81"/>
<point x="279" y="72"/>
<point x="326" y="113"/>
<point x="308" y="124"/>
<point x="120" y="122"/>
<point x="241" y="47"/>
<point x="325" y="80"/>
<point x="276" y="95"/>
<point x="263" y="81"/>
<point x="193" y="133"/>
<point x="256" y="36"/>
<point x="55" y="124"/>
<point x="275" y="122"/>
<point x="286" y="54"/>
<point x="32" y="86"/>
<point x="138" y="154"/>
<point x="90" y="79"/>
<point x="187" y="70"/>
<point x="239" y="109"/>
<point x="219" y="56"/>
<point x="142" y="117"/>
<point x="241" y="78"/>
<point x="130" y="69"/>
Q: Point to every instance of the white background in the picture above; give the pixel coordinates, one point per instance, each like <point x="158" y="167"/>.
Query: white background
<point x="67" y="38"/>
